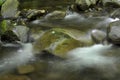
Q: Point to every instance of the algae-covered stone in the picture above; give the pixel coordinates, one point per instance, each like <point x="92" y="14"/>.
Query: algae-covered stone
<point x="1" y="2"/>
<point x="9" y="33"/>
<point x="3" y="27"/>
<point x="61" y="47"/>
<point x="59" y="41"/>
<point x="9" y="8"/>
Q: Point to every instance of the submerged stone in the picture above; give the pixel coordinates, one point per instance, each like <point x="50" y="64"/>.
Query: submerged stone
<point x="25" y="69"/>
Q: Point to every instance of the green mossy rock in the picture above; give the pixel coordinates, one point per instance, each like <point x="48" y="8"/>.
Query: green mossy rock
<point x="1" y="2"/>
<point x="9" y="9"/>
<point x="61" y="47"/>
<point x="59" y="41"/>
<point x="3" y="27"/>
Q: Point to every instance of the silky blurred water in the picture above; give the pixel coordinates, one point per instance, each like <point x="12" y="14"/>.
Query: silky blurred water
<point x="97" y="62"/>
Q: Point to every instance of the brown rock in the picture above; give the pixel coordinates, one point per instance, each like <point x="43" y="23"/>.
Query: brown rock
<point x="25" y="69"/>
<point x="13" y="77"/>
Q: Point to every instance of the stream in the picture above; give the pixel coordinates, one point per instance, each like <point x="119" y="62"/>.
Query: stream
<point x="89" y="62"/>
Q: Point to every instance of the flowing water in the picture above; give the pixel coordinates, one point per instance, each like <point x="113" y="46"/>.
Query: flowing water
<point x="16" y="57"/>
<point x="97" y="62"/>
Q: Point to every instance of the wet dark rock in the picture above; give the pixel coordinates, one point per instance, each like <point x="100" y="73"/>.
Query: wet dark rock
<point x="9" y="37"/>
<point x="32" y="14"/>
<point x="98" y="36"/>
<point x="113" y="33"/>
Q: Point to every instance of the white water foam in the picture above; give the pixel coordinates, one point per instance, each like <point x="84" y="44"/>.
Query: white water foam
<point x="91" y="57"/>
<point x="73" y="16"/>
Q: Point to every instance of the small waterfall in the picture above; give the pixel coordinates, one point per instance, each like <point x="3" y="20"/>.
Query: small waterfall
<point x="20" y="57"/>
